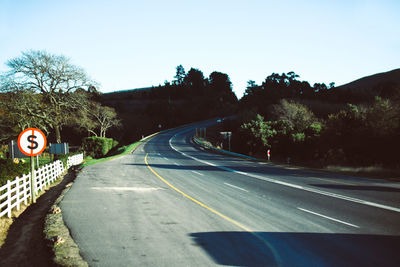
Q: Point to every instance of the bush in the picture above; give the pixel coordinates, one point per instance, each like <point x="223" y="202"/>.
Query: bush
<point x="9" y="170"/>
<point x="98" y="147"/>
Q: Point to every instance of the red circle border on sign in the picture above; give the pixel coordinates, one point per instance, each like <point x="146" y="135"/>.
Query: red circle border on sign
<point x="37" y="153"/>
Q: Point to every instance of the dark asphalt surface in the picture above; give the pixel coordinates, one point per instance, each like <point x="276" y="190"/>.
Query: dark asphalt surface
<point x="190" y="207"/>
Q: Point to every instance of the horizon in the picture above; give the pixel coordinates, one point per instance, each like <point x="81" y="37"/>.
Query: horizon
<point x="129" y="44"/>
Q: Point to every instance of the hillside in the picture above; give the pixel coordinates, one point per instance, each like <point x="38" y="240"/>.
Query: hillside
<point x="192" y="98"/>
<point x="385" y="84"/>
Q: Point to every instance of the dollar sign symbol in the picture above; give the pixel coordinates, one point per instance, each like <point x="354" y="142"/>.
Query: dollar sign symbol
<point x="34" y="143"/>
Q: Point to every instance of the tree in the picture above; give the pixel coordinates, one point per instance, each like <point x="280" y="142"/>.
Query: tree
<point x="320" y="87"/>
<point x="294" y="132"/>
<point x="50" y="81"/>
<point x="180" y="74"/>
<point x="97" y="119"/>
<point x="297" y="115"/>
<point x="194" y="78"/>
<point x="220" y="81"/>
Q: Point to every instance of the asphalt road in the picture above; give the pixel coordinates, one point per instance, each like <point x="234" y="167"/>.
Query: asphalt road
<point x="171" y="203"/>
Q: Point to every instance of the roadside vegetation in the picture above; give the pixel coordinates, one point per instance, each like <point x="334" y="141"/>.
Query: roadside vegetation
<point x="316" y="126"/>
<point x="356" y="125"/>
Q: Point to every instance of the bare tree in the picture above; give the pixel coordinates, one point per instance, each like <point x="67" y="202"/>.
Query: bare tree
<point x="50" y="82"/>
<point x="97" y="119"/>
<point x="107" y="118"/>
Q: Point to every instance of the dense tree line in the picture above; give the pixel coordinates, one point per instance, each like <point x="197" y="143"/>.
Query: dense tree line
<point x="286" y="116"/>
<point x="189" y="97"/>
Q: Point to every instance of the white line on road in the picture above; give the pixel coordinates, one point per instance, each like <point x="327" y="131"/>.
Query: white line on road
<point x="198" y="173"/>
<point x="176" y="164"/>
<point x="330" y="218"/>
<point x="309" y="189"/>
<point x="237" y="187"/>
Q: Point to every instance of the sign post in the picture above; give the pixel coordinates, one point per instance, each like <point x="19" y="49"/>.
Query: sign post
<point x="227" y="135"/>
<point x="32" y="142"/>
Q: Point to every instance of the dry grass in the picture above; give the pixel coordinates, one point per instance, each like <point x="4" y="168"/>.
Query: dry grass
<point x="370" y="171"/>
<point x="5" y="222"/>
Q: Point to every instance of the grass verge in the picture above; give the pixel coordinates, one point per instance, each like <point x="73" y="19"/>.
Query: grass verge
<point x="66" y="251"/>
<point x="124" y="150"/>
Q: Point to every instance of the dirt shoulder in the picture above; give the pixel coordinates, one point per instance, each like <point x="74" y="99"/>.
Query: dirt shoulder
<point x="25" y="244"/>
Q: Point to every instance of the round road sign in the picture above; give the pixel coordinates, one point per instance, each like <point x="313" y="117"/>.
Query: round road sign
<point x="32" y="142"/>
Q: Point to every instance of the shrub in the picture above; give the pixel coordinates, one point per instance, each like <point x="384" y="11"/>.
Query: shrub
<point x="9" y="170"/>
<point x="98" y="147"/>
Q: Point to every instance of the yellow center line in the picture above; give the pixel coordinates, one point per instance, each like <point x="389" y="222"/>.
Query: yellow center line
<point x="195" y="200"/>
<point x="277" y="258"/>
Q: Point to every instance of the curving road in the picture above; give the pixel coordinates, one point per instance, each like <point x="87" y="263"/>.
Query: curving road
<point x="171" y="203"/>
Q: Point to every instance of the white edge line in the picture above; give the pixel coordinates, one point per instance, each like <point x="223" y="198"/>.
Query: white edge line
<point x="237" y="187"/>
<point x="360" y="201"/>
<point x="198" y="173"/>
<point x="330" y="218"/>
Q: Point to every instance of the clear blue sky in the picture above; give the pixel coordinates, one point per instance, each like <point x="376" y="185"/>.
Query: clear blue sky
<point x="132" y="44"/>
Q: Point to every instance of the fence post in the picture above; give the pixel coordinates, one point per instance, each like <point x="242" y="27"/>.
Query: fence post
<point x="8" y="198"/>
<point x="17" y="189"/>
<point x="25" y="195"/>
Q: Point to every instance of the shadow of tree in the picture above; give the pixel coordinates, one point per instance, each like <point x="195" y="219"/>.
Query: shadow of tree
<point x="299" y="249"/>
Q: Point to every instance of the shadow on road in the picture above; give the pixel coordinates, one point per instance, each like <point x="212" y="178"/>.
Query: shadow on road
<point x="299" y="249"/>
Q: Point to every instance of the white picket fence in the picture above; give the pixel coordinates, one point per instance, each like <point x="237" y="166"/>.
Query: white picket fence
<point x="15" y="192"/>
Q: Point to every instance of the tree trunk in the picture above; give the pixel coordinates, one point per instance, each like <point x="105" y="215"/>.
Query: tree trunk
<point x="58" y="134"/>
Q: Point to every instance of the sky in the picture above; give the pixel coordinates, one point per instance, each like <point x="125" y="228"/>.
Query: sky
<point x="126" y="44"/>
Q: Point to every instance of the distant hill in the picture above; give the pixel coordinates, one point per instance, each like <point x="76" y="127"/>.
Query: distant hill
<point x="385" y="84"/>
<point x="128" y="93"/>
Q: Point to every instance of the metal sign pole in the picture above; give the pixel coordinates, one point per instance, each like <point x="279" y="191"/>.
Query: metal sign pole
<point x="229" y="140"/>
<point x="33" y="179"/>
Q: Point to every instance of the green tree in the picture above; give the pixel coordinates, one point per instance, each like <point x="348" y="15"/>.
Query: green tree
<point x="180" y="74"/>
<point x="364" y="134"/>
<point x="294" y="132"/>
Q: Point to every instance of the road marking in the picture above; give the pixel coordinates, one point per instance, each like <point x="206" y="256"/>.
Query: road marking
<point x="274" y="252"/>
<point x="329" y="218"/>
<point x="332" y="181"/>
<point x="176" y="164"/>
<point x="136" y="189"/>
<point x="309" y="189"/>
<point x="237" y="187"/>
<point x="198" y="173"/>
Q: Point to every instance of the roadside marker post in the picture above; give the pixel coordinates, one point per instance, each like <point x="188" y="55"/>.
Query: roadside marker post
<point x="32" y="142"/>
<point x="269" y="154"/>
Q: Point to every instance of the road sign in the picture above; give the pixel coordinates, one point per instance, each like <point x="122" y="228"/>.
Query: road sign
<point x="32" y="142"/>
<point x="62" y="148"/>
